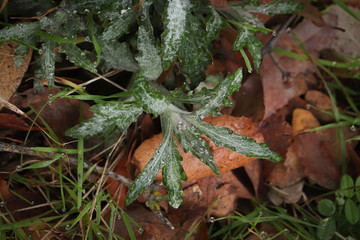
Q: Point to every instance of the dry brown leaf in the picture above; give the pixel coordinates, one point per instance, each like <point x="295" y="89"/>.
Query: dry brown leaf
<point x="287" y="172"/>
<point x="318" y="163"/>
<point x="62" y="114"/>
<point x="290" y="194"/>
<point x="312" y="13"/>
<point x="249" y="100"/>
<point x="11" y="121"/>
<point x="303" y="119"/>
<point x="322" y="102"/>
<point x="223" y="157"/>
<point x="10" y="76"/>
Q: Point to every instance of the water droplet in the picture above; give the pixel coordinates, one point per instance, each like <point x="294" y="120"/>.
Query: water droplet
<point x="211" y="219"/>
<point x="67" y="227"/>
<point x="140" y="230"/>
<point x="67" y="57"/>
<point x="263" y="234"/>
<point x="286" y="230"/>
<point x="98" y="233"/>
<point x="50" y="96"/>
<point x="63" y="210"/>
<point x="49" y="103"/>
<point x="18" y="168"/>
<point x="32" y="203"/>
<point x="86" y="10"/>
<point x="87" y="38"/>
<point x="308" y="106"/>
<point x="249" y="70"/>
<point x="83" y="54"/>
<point x="74" y="12"/>
<point x="119" y="217"/>
<point x="40" y="51"/>
<point x="353" y="128"/>
<point x="261" y="214"/>
<point x="274" y="34"/>
<point x="123" y="11"/>
<point x="333" y="63"/>
<point x="1" y="204"/>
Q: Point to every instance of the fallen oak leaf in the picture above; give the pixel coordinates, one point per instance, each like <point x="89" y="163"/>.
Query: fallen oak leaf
<point x="225" y="159"/>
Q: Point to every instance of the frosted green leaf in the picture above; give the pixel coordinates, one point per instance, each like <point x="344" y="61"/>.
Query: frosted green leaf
<point x="214" y="22"/>
<point x="219" y="95"/>
<point x="153" y="101"/>
<point x="106" y="117"/>
<point x="242" y="38"/>
<point x="254" y="48"/>
<point x="48" y="61"/>
<point x="119" y="26"/>
<point x="173" y="173"/>
<point x="117" y="55"/>
<point x="152" y="168"/>
<point x="225" y="137"/>
<point x="20" y="52"/>
<point x="77" y="56"/>
<point x="19" y="31"/>
<point x="148" y="56"/>
<point x="96" y="125"/>
<point x="197" y="146"/>
<point x="175" y="20"/>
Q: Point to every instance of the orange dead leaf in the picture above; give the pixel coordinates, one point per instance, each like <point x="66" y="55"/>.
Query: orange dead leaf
<point x="225" y="159"/>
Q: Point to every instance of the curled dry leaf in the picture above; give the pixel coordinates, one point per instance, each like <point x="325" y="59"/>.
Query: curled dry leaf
<point x="10" y="75"/>
<point x="225" y="158"/>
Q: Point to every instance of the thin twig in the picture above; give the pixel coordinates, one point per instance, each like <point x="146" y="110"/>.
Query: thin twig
<point x="6" y="147"/>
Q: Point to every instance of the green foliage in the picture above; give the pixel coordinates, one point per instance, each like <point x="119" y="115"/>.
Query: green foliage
<point x="147" y="38"/>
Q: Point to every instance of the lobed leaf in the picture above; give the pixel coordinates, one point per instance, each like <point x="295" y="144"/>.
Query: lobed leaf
<point x="117" y="55"/>
<point x="175" y="20"/>
<point x="77" y="56"/>
<point x="173" y="173"/>
<point x="153" y="101"/>
<point x="148" y="56"/>
<point x="119" y="25"/>
<point x="225" y="137"/>
<point x="48" y="61"/>
<point x="152" y="168"/>
<point x="19" y="31"/>
<point x="214" y="22"/>
<point x="106" y="117"/>
<point x="197" y="146"/>
<point x="254" y="48"/>
<point x="219" y="95"/>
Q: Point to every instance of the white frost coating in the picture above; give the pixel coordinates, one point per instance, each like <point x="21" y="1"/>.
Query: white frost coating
<point x="148" y="57"/>
<point x="91" y="127"/>
<point x="116" y="110"/>
<point x="175" y="24"/>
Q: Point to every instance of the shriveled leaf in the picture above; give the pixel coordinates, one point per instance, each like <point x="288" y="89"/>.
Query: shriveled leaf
<point x="77" y="56"/>
<point x="19" y="31"/>
<point x="148" y="56"/>
<point x="225" y="137"/>
<point x="175" y="20"/>
<point x="153" y="101"/>
<point x="119" y="25"/>
<point x="117" y="55"/>
<point x="219" y="95"/>
<point x="48" y="61"/>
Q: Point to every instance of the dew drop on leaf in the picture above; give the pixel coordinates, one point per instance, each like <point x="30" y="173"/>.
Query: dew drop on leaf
<point x="353" y="128"/>
<point x="1" y="204"/>
<point x="211" y="219"/>
<point x="67" y="227"/>
<point x="63" y="210"/>
<point x="18" y="168"/>
<point x="140" y="230"/>
<point x="274" y="34"/>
